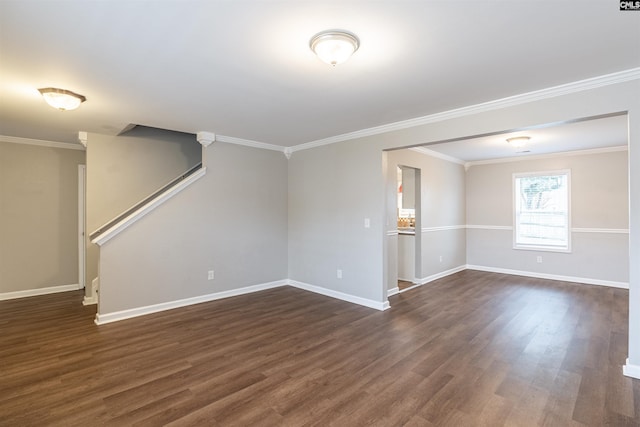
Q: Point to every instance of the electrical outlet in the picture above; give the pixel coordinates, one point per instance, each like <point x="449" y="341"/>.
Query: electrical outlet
<point x="211" y="275"/>
<point x="339" y="274"/>
<point x="539" y="259"/>
<point x="440" y="258"/>
<point x="367" y="223"/>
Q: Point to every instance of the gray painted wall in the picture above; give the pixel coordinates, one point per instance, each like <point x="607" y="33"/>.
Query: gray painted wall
<point x="38" y="216"/>
<point x="233" y="221"/>
<point x="331" y="188"/>
<point x="123" y="170"/>
<point x="599" y="200"/>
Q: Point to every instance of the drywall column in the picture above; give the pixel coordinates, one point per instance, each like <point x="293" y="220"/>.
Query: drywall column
<point x="90" y="294"/>
<point x="632" y="368"/>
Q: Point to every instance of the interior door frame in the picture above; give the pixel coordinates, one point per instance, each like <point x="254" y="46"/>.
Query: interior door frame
<point x="82" y="247"/>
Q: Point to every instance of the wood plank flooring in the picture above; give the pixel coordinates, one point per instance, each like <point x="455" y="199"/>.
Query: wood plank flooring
<point x="471" y="349"/>
<point x="404" y="284"/>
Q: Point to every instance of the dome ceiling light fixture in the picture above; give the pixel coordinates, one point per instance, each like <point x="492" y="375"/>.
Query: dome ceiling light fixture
<point x="518" y="142"/>
<point x="61" y="99"/>
<point x="334" y="46"/>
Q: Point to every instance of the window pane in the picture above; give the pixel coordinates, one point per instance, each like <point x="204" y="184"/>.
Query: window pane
<point x="542" y="211"/>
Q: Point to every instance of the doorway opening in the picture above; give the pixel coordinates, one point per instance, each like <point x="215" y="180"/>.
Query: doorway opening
<point x="408" y="208"/>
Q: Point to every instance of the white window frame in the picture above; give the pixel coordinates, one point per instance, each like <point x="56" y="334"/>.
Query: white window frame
<point x="516" y="201"/>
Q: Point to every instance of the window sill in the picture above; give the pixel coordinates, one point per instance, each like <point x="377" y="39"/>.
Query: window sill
<point x="542" y="249"/>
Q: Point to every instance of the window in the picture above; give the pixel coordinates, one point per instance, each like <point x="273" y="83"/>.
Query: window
<point x="542" y="211"/>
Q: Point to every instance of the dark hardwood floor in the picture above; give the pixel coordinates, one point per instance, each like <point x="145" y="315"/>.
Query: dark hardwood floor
<point x="472" y="349"/>
<point x="404" y="284"/>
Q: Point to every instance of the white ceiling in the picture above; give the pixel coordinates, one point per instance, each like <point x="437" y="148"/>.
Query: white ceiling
<point x="243" y="68"/>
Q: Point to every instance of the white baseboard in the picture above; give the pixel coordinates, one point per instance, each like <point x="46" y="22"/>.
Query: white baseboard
<point x="93" y="293"/>
<point x="89" y="300"/>
<point x="585" y="280"/>
<point x="440" y="275"/>
<point x="425" y="280"/>
<point x="632" y="371"/>
<point x="340" y="295"/>
<point x="101" y="319"/>
<point x="40" y="291"/>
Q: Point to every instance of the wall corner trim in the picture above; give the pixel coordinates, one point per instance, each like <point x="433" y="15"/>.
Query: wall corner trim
<point x="630" y="370"/>
<point x="83" y="138"/>
<point x="205" y="138"/>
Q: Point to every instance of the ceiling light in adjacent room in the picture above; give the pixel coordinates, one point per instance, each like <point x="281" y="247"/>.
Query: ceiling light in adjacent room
<point x="334" y="46"/>
<point x="62" y="99"/>
<point x="518" y="141"/>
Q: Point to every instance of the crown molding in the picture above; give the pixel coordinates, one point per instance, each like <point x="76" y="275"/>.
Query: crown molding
<point x="467" y="165"/>
<point x="83" y="138"/>
<point x="41" y="143"/>
<point x="551" y="92"/>
<point x="250" y="143"/>
<point x="205" y="138"/>
<point x="431" y="153"/>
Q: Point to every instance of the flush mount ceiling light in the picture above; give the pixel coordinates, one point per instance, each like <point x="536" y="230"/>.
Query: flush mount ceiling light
<point x="518" y="141"/>
<point x="62" y="99"/>
<point x="334" y="46"/>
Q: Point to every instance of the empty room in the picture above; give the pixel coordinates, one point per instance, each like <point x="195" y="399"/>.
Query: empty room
<point x="419" y="213"/>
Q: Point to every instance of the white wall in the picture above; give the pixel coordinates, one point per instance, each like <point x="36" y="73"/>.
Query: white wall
<point x="599" y="215"/>
<point x="233" y="221"/>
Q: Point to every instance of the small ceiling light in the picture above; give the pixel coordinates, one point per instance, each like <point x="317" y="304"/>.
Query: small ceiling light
<point x="334" y="46"/>
<point x="62" y="99"/>
<point x="518" y="141"/>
